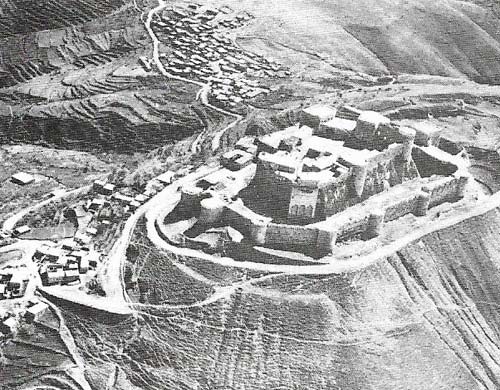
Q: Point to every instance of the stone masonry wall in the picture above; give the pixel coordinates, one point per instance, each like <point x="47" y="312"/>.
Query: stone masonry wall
<point x="295" y="235"/>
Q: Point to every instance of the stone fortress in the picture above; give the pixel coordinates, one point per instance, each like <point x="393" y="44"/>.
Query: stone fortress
<point x="336" y="176"/>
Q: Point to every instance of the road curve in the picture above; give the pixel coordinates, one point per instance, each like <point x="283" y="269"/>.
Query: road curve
<point x="112" y="270"/>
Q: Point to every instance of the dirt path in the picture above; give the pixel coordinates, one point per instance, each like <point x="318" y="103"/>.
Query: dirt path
<point x="77" y="373"/>
<point x="11" y="222"/>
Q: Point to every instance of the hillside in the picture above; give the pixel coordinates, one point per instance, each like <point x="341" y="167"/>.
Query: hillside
<point x="71" y="76"/>
<point x="425" y="317"/>
<point x="445" y="37"/>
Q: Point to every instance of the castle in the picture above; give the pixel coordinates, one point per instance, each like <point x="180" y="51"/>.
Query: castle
<point x="334" y="176"/>
<point x="325" y="164"/>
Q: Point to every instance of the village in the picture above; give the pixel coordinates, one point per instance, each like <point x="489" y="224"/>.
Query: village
<point x="196" y="46"/>
<point x="66" y="261"/>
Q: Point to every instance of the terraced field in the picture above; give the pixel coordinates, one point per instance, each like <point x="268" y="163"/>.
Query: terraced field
<point x="76" y="81"/>
<point x="50" y="14"/>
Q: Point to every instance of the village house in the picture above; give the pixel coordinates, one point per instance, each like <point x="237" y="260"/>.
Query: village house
<point x="91" y="231"/>
<point x="235" y="160"/>
<point x="47" y="253"/>
<point x="82" y="238"/>
<point x="122" y="199"/>
<point x="98" y="185"/>
<point x="108" y="189"/>
<point x="36" y="312"/>
<point x="96" y="204"/>
<point x="51" y="274"/>
<point x="22" y="178"/>
<point x="15" y="281"/>
<point x="141" y="198"/>
<point x="83" y="264"/>
<point x="9" y="326"/>
<point x="19" y="231"/>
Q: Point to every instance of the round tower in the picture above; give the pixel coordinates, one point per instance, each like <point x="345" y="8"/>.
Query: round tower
<point x="258" y="231"/>
<point x="423" y="202"/>
<point x="375" y="224"/>
<point x="358" y="177"/>
<point x="408" y="139"/>
<point x="211" y="210"/>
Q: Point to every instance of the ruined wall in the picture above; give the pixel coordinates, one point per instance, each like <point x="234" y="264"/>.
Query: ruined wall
<point x="353" y="228"/>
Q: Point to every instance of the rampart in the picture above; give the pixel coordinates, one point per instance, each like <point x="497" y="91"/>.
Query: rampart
<point x="447" y="190"/>
<point x="362" y="221"/>
<point x="367" y="220"/>
<point x="359" y="222"/>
